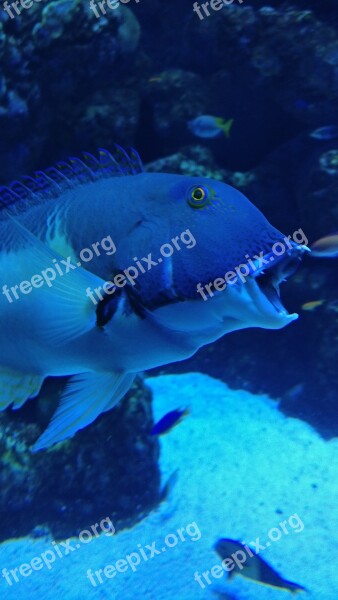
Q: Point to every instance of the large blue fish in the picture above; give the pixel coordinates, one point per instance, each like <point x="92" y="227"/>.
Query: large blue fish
<point x="73" y="323"/>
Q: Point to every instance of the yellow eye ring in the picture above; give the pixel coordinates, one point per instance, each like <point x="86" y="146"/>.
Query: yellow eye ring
<point x="198" y="197"/>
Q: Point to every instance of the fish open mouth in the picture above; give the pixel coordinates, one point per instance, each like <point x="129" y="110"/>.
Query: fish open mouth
<point x="264" y="283"/>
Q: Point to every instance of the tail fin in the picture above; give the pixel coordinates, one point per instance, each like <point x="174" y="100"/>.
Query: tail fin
<point x="226" y="126"/>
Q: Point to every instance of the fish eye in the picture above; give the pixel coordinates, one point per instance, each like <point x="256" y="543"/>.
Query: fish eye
<point x="198" y="197"/>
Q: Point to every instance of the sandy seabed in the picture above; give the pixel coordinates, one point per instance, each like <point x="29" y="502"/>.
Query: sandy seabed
<point x="243" y="468"/>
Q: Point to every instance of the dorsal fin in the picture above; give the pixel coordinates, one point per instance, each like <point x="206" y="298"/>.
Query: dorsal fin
<point x="54" y="181"/>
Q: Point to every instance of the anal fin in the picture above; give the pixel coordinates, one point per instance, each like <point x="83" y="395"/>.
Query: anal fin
<point x="86" y="396"/>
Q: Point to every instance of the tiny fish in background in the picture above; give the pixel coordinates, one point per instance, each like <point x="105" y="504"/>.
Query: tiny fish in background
<point x="312" y="305"/>
<point x="325" y="247"/>
<point x="207" y="126"/>
<point x="295" y="392"/>
<point x="329" y="132"/>
<point x="169" y="421"/>
<point x="302" y="104"/>
<point x="166" y="491"/>
<point x="253" y="567"/>
<point x="333" y="306"/>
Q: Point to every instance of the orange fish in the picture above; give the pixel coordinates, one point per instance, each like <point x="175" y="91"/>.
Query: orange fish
<point x="326" y="247"/>
<point x="312" y="305"/>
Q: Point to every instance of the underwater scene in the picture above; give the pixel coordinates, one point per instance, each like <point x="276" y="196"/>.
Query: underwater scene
<point x="168" y="299"/>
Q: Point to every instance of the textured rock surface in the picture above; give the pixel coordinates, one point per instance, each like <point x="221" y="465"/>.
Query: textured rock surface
<point x="108" y="469"/>
<point x="57" y="59"/>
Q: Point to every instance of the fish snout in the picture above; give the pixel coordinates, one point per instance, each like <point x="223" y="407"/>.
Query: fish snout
<point x="264" y="284"/>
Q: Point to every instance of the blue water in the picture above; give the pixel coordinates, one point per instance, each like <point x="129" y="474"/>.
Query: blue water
<point x="114" y="511"/>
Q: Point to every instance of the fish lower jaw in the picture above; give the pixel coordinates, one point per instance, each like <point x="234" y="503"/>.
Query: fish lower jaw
<point x="268" y="304"/>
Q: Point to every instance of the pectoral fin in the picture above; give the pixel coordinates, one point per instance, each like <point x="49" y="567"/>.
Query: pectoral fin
<point x="64" y="306"/>
<point x="86" y="396"/>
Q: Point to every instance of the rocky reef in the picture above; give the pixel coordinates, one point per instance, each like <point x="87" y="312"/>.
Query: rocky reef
<point x="70" y="81"/>
<point x="60" y="66"/>
<point x="108" y="469"/>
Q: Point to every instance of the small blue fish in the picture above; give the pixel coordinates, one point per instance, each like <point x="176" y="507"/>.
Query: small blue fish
<point x="329" y="132"/>
<point x="207" y="126"/>
<point x="170" y="420"/>
<point x="302" y="104"/>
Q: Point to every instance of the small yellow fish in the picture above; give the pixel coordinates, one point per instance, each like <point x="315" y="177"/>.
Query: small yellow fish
<point x="312" y="305"/>
<point x="325" y="247"/>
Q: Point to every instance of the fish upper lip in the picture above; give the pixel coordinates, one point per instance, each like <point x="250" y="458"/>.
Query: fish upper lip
<point x="275" y="262"/>
<point x="264" y="283"/>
